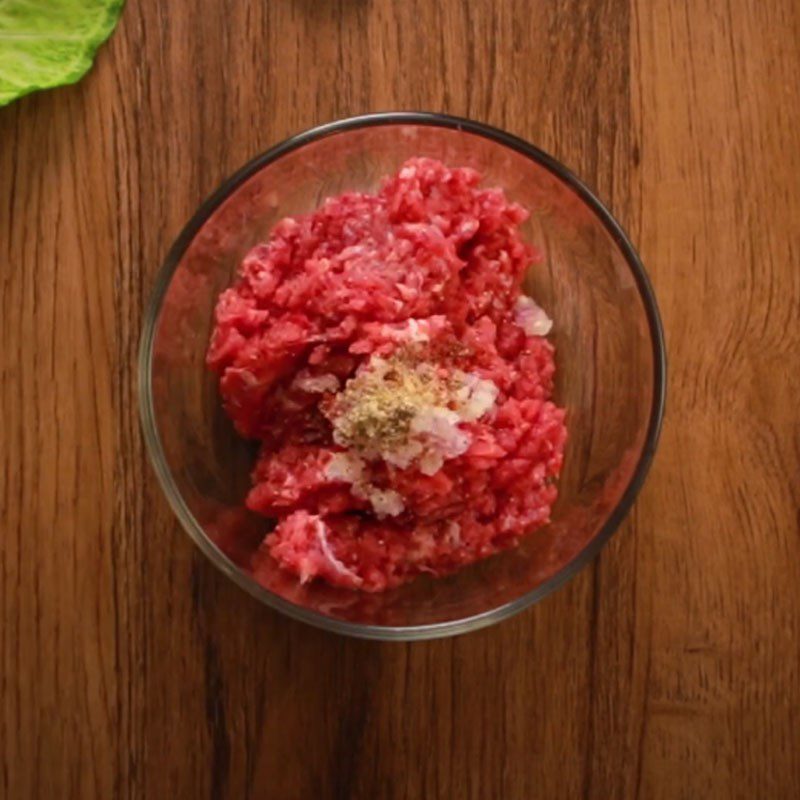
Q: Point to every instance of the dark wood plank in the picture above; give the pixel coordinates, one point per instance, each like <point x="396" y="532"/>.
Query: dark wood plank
<point x="715" y="102"/>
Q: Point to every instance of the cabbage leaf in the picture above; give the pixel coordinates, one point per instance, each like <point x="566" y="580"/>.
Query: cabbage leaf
<point x="46" y="43"/>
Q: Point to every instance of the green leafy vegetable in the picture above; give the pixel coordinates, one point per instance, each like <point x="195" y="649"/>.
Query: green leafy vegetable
<point x="46" y="43"/>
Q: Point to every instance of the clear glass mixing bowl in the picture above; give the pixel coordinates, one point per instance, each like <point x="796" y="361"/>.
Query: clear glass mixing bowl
<point x="609" y="351"/>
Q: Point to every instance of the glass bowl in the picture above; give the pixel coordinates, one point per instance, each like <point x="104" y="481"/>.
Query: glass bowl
<point x="609" y="354"/>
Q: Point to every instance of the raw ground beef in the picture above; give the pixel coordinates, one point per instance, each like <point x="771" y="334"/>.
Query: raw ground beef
<point x="381" y="352"/>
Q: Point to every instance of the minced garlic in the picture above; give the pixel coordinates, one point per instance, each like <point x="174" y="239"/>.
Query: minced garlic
<point x="404" y="409"/>
<point x="376" y="408"/>
<point x="351" y="469"/>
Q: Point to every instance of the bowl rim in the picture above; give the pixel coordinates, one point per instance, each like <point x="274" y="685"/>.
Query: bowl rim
<point x="153" y="441"/>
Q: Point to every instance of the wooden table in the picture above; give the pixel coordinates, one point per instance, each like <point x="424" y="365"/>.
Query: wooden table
<point x="669" y="669"/>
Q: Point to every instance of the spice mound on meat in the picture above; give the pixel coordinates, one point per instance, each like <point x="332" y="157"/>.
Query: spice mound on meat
<point x="399" y="382"/>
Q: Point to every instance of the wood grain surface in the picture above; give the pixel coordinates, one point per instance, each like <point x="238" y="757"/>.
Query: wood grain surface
<point x="130" y="668"/>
